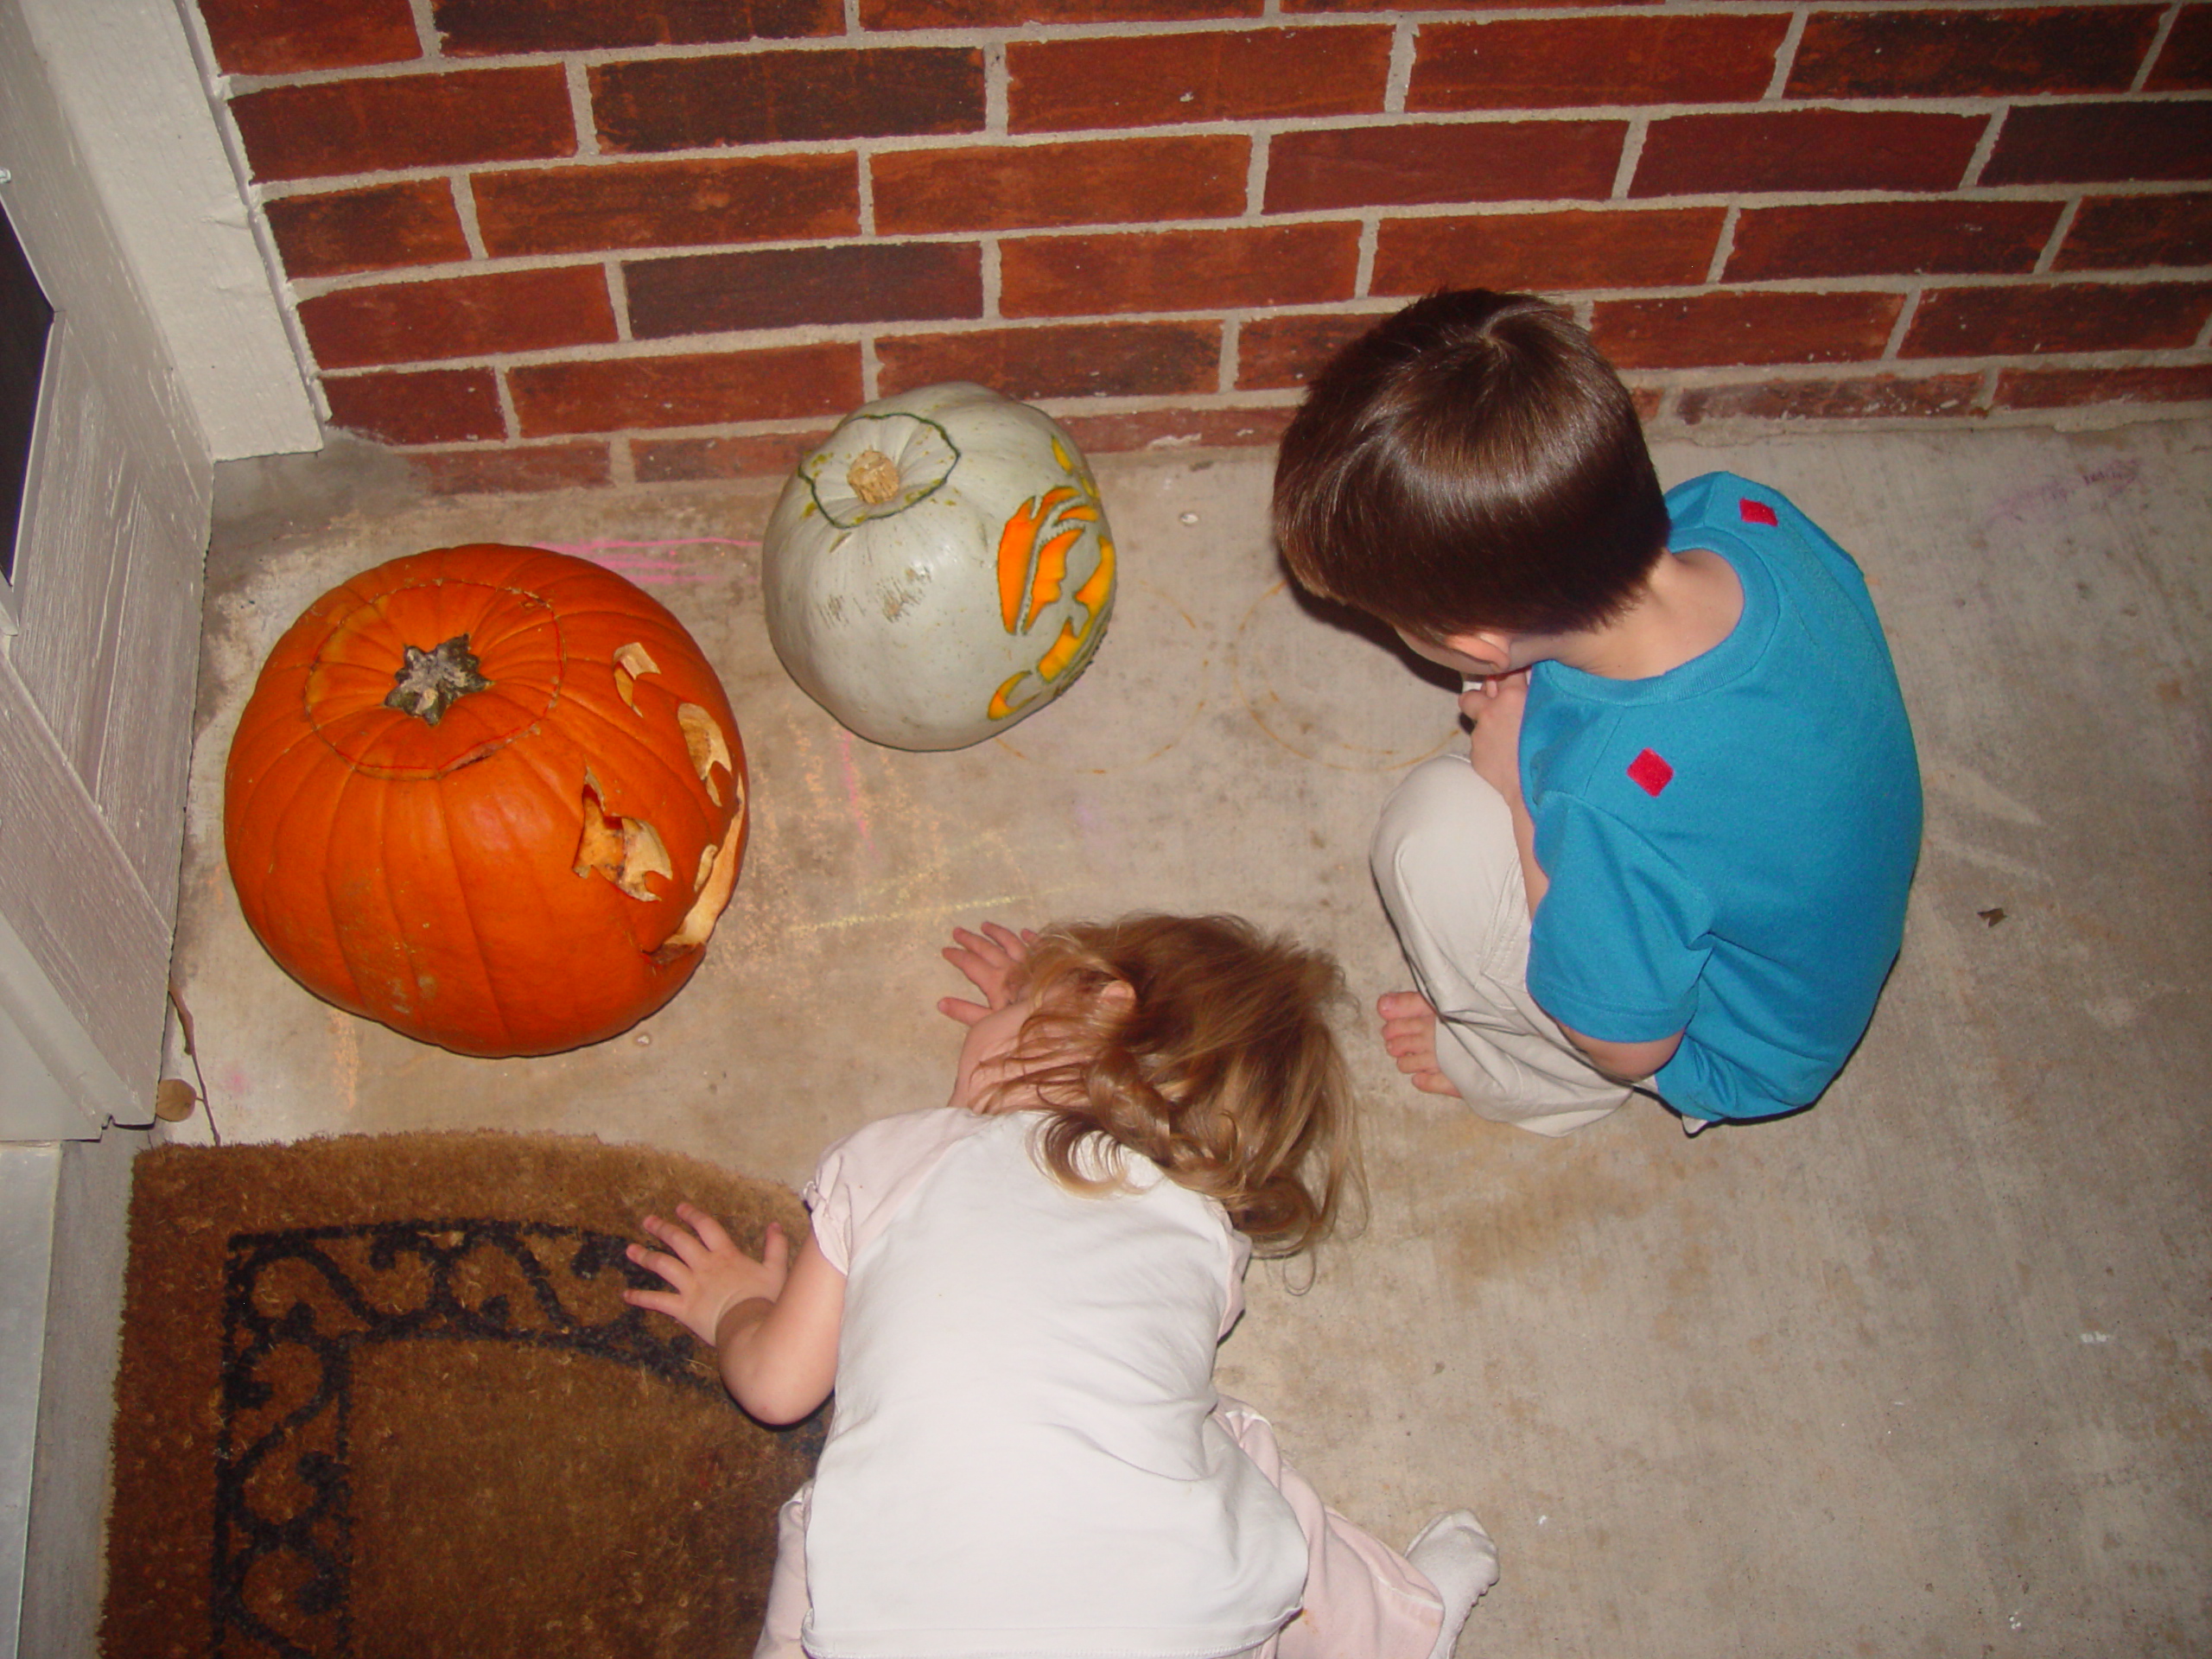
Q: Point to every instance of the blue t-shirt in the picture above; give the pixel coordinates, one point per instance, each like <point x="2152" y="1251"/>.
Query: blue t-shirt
<point x="1728" y="844"/>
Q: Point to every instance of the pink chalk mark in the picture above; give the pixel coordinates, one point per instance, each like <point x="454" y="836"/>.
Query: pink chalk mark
<point x="2047" y="500"/>
<point x="853" y="790"/>
<point x="639" y="567"/>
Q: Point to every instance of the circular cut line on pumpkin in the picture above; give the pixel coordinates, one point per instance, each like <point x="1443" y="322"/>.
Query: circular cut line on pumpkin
<point x="832" y="459"/>
<point x="484" y="639"/>
<point x="327" y="678"/>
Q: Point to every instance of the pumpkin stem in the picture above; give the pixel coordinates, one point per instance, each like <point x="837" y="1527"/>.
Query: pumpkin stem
<point x="434" y="681"/>
<point x="874" y="477"/>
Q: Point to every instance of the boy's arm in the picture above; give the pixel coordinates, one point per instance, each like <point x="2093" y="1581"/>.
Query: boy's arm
<point x="773" y="1322"/>
<point x="1496" y="707"/>
<point x="1625" y="1062"/>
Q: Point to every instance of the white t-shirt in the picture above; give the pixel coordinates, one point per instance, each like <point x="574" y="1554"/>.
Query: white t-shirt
<point x="1022" y="1462"/>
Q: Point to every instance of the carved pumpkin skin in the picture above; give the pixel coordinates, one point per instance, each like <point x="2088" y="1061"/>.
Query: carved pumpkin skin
<point x="966" y="602"/>
<point x="424" y="875"/>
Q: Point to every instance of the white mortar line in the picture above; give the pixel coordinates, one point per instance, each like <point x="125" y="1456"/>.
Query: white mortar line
<point x="464" y="205"/>
<point x="1724" y="245"/>
<point x="997" y="89"/>
<point x="2048" y="259"/>
<point x="580" y="108"/>
<point x="1370" y="237"/>
<point x="1396" y="84"/>
<point x="963" y="40"/>
<point x="994" y="280"/>
<point x="508" y="413"/>
<point x="617" y="293"/>
<point x="2158" y="45"/>
<point x="1906" y="313"/>
<point x="1631" y="153"/>
<point x="1785" y="57"/>
<point x="1985" y="147"/>
<point x="621" y="459"/>
<point x="426" y="31"/>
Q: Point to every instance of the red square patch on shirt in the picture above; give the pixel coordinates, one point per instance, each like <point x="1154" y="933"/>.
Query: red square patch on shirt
<point x="1756" y="512"/>
<point x="1651" y="773"/>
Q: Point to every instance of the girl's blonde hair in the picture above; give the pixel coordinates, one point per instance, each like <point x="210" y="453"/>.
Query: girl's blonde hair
<point x="1221" y="1067"/>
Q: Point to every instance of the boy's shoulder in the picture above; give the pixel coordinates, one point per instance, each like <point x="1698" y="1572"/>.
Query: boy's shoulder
<point x="1731" y="513"/>
<point x="1731" y="501"/>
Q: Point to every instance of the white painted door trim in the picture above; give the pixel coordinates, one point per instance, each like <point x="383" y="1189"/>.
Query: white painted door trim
<point x="168" y="176"/>
<point x="54" y="1082"/>
<point x="29" y="1186"/>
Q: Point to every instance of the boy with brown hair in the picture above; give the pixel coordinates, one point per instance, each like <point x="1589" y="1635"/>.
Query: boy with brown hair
<point x="1674" y="859"/>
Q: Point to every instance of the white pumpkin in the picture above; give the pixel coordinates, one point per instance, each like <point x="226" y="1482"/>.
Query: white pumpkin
<point x="939" y="568"/>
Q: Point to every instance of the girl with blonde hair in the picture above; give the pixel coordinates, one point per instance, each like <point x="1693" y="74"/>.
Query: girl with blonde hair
<point x="1017" y="1297"/>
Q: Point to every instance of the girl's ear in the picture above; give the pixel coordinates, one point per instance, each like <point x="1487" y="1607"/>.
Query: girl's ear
<point x="1118" y="994"/>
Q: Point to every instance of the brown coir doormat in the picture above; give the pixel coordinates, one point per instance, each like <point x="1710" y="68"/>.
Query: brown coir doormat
<point x="379" y="1396"/>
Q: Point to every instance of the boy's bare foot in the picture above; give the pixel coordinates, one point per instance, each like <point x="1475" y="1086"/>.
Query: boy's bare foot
<point x="1410" y="1034"/>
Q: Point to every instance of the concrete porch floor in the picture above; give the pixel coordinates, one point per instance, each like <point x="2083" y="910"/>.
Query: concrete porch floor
<point x="1927" y="1371"/>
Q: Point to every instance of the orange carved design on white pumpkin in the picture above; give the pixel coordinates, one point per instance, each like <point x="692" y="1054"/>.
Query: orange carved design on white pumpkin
<point x="1034" y="550"/>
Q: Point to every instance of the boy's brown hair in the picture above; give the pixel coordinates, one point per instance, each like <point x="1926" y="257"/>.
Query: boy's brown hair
<point x="1221" y="1067"/>
<point x="1470" y="462"/>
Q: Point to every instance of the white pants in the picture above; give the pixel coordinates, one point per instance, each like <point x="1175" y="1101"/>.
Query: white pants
<point x="1364" y="1600"/>
<point x="1449" y="871"/>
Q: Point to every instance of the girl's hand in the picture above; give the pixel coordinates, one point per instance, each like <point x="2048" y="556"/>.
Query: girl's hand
<point x="706" y="1272"/>
<point x="992" y="960"/>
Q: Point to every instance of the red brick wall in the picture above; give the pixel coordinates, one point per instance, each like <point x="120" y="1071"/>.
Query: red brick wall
<point x="541" y="243"/>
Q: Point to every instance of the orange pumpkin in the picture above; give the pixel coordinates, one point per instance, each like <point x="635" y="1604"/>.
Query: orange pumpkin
<point x="492" y="797"/>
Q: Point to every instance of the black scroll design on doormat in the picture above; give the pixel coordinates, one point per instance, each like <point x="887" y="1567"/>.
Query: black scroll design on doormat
<point x="283" y="1484"/>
